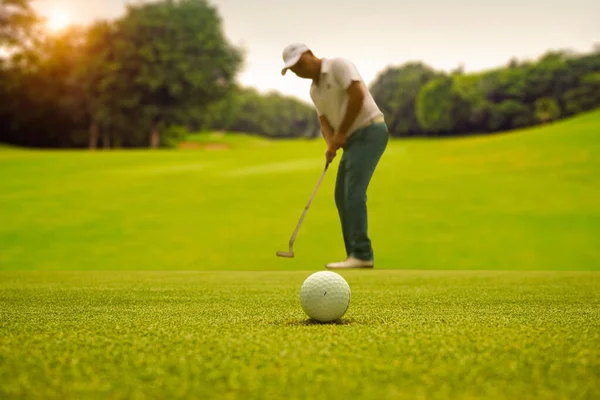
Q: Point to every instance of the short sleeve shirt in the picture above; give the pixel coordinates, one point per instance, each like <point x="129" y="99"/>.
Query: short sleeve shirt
<point x="330" y="96"/>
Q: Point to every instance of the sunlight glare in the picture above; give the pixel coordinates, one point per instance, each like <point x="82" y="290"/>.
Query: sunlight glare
<point x="58" y="20"/>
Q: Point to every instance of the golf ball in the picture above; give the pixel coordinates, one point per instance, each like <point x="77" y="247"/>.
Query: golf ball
<point x="325" y="296"/>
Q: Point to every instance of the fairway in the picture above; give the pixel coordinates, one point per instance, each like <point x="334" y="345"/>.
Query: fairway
<point x="226" y="335"/>
<point x="527" y="200"/>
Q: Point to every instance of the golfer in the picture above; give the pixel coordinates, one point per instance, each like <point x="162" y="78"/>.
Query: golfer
<point x="350" y="120"/>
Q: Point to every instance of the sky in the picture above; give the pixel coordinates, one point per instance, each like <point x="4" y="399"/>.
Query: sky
<point x="444" y="34"/>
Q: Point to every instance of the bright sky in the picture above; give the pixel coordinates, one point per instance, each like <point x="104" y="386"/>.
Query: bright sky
<point x="444" y="34"/>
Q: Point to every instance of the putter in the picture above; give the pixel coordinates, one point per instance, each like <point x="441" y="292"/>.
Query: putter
<point x="290" y="252"/>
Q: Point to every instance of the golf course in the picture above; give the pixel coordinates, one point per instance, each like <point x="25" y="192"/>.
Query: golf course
<point x="152" y="273"/>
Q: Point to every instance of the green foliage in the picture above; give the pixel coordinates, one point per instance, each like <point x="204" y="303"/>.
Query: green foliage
<point x="547" y="109"/>
<point x="271" y="115"/>
<point x="156" y="66"/>
<point x="396" y="90"/>
<point x="173" y="135"/>
<point x="125" y="82"/>
<point x="515" y="96"/>
<point x="18" y="23"/>
<point x="509" y="114"/>
<point x="440" y="109"/>
<point x="586" y="96"/>
<point x="160" y="65"/>
<point x="274" y="115"/>
<point x="44" y="92"/>
<point x="476" y="109"/>
<point x="178" y="58"/>
<point x="105" y="99"/>
<point x="434" y="105"/>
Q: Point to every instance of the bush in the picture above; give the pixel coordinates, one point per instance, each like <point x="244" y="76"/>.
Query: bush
<point x="546" y="109"/>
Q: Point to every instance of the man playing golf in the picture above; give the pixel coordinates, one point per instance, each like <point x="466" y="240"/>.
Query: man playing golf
<point x="350" y="120"/>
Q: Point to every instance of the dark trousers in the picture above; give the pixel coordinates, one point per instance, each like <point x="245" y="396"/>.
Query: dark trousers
<point x="362" y="153"/>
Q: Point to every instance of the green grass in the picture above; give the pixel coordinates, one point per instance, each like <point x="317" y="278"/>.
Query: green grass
<point x="231" y="139"/>
<point x="226" y="335"/>
<point x="527" y="200"/>
<point x="117" y="281"/>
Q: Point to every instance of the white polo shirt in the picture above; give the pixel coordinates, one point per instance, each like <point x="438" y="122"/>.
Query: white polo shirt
<point x="331" y="99"/>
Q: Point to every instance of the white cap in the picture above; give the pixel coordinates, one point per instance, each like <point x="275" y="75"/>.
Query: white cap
<point x="291" y="55"/>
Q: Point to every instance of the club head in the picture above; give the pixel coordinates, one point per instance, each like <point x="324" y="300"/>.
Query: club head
<point x="286" y="254"/>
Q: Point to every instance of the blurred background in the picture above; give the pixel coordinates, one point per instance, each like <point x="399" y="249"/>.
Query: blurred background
<point x="201" y="81"/>
<point x="136" y="74"/>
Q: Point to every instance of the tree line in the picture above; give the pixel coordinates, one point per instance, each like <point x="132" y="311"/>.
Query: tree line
<point x="419" y="101"/>
<point x="136" y="80"/>
<point x="128" y="82"/>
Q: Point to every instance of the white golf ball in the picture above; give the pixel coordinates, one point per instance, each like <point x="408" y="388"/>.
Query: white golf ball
<point x="325" y="296"/>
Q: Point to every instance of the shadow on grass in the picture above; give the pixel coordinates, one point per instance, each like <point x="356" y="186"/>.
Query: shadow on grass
<point x="311" y="322"/>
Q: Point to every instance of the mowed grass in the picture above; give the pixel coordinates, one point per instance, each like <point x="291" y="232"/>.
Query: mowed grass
<point x="243" y="335"/>
<point x="117" y="272"/>
<point x="527" y="200"/>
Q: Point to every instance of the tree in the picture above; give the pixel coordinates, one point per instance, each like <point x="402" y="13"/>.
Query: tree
<point x="106" y="98"/>
<point x="509" y="114"/>
<point x="585" y="94"/>
<point x="476" y="108"/>
<point x="17" y="23"/>
<point x="546" y="109"/>
<point x="175" y="57"/>
<point x="222" y="114"/>
<point x="165" y="68"/>
<point x="584" y="97"/>
<point x="549" y="77"/>
<point x="44" y="98"/>
<point x="439" y="107"/>
<point x="396" y="90"/>
<point x="272" y="115"/>
<point x="434" y="106"/>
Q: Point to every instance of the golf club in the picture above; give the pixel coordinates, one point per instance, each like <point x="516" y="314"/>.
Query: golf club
<point x="290" y="252"/>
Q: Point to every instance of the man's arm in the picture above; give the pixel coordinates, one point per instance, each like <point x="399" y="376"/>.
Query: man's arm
<point x="348" y="77"/>
<point x="326" y="129"/>
<point x="356" y="97"/>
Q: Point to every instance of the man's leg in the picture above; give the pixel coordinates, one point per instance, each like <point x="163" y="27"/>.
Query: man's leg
<point x="340" y="197"/>
<point x="362" y="154"/>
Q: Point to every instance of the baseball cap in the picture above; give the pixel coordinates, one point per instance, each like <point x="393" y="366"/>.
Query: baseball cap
<point x="291" y="55"/>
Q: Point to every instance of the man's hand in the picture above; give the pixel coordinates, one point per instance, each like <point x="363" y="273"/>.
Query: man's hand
<point x="330" y="154"/>
<point x="339" y="140"/>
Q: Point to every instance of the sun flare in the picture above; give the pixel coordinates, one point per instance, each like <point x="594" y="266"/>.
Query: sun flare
<point x="58" y="20"/>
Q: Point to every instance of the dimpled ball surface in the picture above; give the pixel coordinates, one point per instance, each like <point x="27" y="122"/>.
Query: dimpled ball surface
<point x="325" y="296"/>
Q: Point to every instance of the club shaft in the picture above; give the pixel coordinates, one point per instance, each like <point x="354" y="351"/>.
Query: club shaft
<point x="293" y="238"/>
